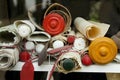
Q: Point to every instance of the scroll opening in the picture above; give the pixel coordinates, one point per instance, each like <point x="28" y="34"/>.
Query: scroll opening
<point x="6" y="37"/>
<point x="92" y="32"/>
<point x="38" y="36"/>
<point x="4" y="60"/>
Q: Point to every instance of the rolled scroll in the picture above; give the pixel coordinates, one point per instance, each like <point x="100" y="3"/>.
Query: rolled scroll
<point x="39" y="36"/>
<point x="56" y="20"/>
<point x="91" y="30"/>
<point x="69" y="62"/>
<point x="60" y="38"/>
<point x="24" y="28"/>
<point x="8" y="58"/>
<point x="8" y="36"/>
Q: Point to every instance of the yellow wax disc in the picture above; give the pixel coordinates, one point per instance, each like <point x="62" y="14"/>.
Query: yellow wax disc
<point x="102" y="50"/>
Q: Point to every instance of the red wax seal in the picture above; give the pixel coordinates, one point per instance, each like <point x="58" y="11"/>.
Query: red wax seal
<point x="86" y="60"/>
<point x="70" y="39"/>
<point x="53" y="23"/>
<point x="24" y="56"/>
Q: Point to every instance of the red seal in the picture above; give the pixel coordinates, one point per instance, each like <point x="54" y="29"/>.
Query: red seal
<point x="54" y="24"/>
<point x="24" y="56"/>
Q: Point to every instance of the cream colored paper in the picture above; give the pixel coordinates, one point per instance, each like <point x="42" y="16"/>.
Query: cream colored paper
<point x="39" y="36"/>
<point x="72" y="55"/>
<point x="91" y="30"/>
<point x="30" y="28"/>
<point x="8" y="58"/>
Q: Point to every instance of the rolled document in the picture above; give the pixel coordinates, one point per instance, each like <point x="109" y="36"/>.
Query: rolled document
<point x="39" y="36"/>
<point x="8" y="58"/>
<point x="8" y="36"/>
<point x="24" y="28"/>
<point x="69" y="62"/>
<point x="59" y="38"/>
<point x="90" y="29"/>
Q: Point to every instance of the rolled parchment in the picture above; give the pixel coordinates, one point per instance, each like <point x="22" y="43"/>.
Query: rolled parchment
<point x="39" y="36"/>
<point x="59" y="38"/>
<point x="68" y="59"/>
<point x="24" y="28"/>
<point x="8" y="58"/>
<point x="9" y="36"/>
<point x="90" y="29"/>
<point x="64" y="12"/>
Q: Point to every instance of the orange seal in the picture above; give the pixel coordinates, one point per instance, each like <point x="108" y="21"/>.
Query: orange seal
<point x="102" y="50"/>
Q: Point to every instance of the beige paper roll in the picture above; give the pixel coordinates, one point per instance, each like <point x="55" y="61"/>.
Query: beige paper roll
<point x="24" y="28"/>
<point x="8" y="58"/>
<point x="70" y="55"/>
<point x="9" y="36"/>
<point x="58" y="37"/>
<point x="91" y="30"/>
<point x="39" y="36"/>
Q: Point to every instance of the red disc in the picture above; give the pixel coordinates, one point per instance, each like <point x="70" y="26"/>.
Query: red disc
<point x="54" y="23"/>
<point x="24" y="56"/>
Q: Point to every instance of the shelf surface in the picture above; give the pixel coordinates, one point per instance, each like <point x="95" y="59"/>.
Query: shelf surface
<point x="47" y="66"/>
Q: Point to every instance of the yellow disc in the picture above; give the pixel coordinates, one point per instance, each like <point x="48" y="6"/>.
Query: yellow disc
<point x="102" y="50"/>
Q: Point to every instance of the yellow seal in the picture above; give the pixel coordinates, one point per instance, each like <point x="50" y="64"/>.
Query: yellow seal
<point x="102" y="50"/>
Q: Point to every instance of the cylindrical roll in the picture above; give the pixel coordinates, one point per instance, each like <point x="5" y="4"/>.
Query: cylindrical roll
<point x="24" y="28"/>
<point x="56" y="20"/>
<point x="39" y="36"/>
<point x="86" y="28"/>
<point x="61" y="38"/>
<point x="102" y="50"/>
<point x="8" y="36"/>
<point x="8" y="58"/>
<point x="69" y="61"/>
<point x="90" y="30"/>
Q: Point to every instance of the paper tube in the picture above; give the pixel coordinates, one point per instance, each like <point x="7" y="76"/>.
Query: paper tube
<point x="8" y="58"/>
<point x="91" y="30"/>
<point x="39" y="36"/>
<point x="70" y="55"/>
<point x="24" y="27"/>
<point x="9" y="36"/>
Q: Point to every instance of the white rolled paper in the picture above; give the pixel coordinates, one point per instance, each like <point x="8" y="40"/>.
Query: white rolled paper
<point x="79" y="44"/>
<point x="58" y="44"/>
<point x="24" y="30"/>
<point x="29" y="45"/>
<point x="58" y="39"/>
<point x="39" y="36"/>
<point x="8" y="58"/>
<point x="91" y="30"/>
<point x="70" y="55"/>
<point x="8" y="36"/>
<point x="24" y="27"/>
<point x="39" y="48"/>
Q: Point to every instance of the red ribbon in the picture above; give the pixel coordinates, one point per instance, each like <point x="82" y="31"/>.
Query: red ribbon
<point x="27" y="72"/>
